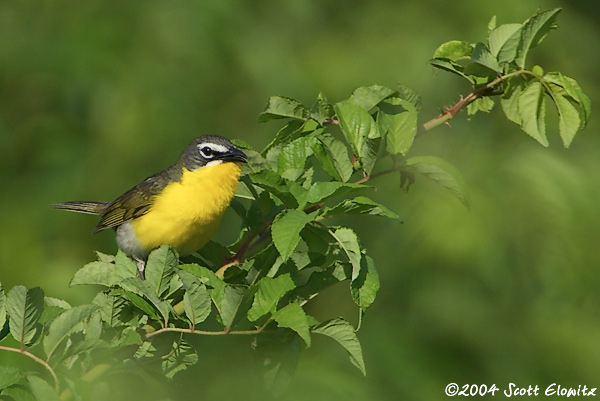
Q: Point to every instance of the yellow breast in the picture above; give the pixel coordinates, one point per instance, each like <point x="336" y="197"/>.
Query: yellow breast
<point x="186" y="214"/>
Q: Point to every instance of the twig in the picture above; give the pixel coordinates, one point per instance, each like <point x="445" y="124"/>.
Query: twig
<point x="35" y="358"/>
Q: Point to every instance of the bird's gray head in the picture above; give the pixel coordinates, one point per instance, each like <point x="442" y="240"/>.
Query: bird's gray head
<point x="209" y="150"/>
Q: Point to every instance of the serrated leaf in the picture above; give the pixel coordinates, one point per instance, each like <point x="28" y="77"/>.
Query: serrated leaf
<point x="343" y="332"/>
<point x="135" y="285"/>
<point x="196" y="300"/>
<point x="368" y="97"/>
<point x="361" y="132"/>
<point x="233" y="298"/>
<point x="365" y="286"/>
<point x="139" y="302"/>
<point x="333" y="157"/>
<point x="101" y="273"/>
<point x="41" y="389"/>
<point x="484" y="104"/>
<point x="286" y="228"/>
<point x="454" y="50"/>
<point x="283" y="107"/>
<point x="348" y="241"/>
<point x="398" y="122"/>
<point x="482" y="56"/>
<point x="568" y="87"/>
<point x="52" y="308"/>
<point x="293" y="317"/>
<point x="24" y="307"/>
<point x="216" y="286"/>
<point x="125" y="267"/>
<point x="441" y="172"/>
<point x="322" y="110"/>
<point x="10" y="375"/>
<point x="18" y="393"/>
<point x="510" y="98"/>
<point x="110" y="307"/>
<point x="568" y="119"/>
<point x="276" y="185"/>
<point x="532" y="111"/>
<point x="63" y="325"/>
<point x="269" y="293"/>
<point x="293" y="157"/>
<point x="322" y="191"/>
<point x="182" y="355"/>
<point x="160" y="268"/>
<point x="503" y="42"/>
<point x="359" y="205"/>
<point x="533" y="32"/>
<point x="450" y="66"/>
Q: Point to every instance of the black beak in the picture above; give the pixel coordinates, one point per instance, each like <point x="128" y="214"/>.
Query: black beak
<point x="234" y="155"/>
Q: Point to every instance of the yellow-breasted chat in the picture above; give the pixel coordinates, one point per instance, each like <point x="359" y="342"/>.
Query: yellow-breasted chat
<point x="181" y="206"/>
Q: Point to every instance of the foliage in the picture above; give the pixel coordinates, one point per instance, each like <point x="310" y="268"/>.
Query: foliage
<point x="294" y="194"/>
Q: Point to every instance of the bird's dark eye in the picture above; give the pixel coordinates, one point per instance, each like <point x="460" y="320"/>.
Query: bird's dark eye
<point x="207" y="152"/>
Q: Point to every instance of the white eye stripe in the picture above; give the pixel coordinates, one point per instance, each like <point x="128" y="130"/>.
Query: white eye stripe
<point x="215" y="147"/>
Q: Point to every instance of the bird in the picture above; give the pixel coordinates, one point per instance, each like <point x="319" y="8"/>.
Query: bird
<point x="180" y="206"/>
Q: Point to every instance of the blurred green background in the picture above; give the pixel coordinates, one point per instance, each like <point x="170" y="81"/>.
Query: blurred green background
<point x="96" y="95"/>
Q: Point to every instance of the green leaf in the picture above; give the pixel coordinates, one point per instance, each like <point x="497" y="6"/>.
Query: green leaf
<point x="568" y="87"/>
<point x="482" y="56"/>
<point x="215" y="286"/>
<point x="365" y="286"/>
<point x="283" y="107"/>
<point x="110" y="308"/>
<point x="360" y="130"/>
<point x="333" y="156"/>
<point x="484" y="104"/>
<point x="359" y="205"/>
<point x="41" y="389"/>
<point x="532" y="111"/>
<point x="454" y="50"/>
<point x="276" y="185"/>
<point x="135" y="285"/>
<point x="341" y="331"/>
<point x="138" y="302"/>
<point x="293" y="156"/>
<point x="10" y="375"/>
<point x="568" y="119"/>
<point x="2" y="306"/>
<point x="125" y="267"/>
<point x="52" y="308"/>
<point x="68" y="322"/>
<point x="533" y="32"/>
<point x="322" y="191"/>
<point x="181" y="356"/>
<point x="348" y="241"/>
<point x="368" y="97"/>
<point x="503" y="42"/>
<point x="398" y="122"/>
<point x="234" y="298"/>
<point x="101" y="273"/>
<point x="196" y="300"/>
<point x="450" y="66"/>
<point x="293" y="317"/>
<point x="24" y="307"/>
<point x="322" y="110"/>
<point x="286" y="228"/>
<point x="18" y="393"/>
<point x="269" y="293"/>
<point x="160" y="268"/>
<point x="510" y="100"/>
<point x="441" y="172"/>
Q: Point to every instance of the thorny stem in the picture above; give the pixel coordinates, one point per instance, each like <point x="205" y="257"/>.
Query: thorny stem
<point x="35" y="358"/>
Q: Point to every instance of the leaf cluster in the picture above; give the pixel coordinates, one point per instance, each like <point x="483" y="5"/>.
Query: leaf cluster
<point x="497" y="67"/>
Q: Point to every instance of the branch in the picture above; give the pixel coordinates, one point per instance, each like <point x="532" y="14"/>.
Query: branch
<point x="35" y="358"/>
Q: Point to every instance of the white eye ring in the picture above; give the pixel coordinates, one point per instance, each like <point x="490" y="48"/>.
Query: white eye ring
<point x="209" y="150"/>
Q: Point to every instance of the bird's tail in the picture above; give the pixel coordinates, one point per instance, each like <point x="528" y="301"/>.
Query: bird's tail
<point x="82" y="207"/>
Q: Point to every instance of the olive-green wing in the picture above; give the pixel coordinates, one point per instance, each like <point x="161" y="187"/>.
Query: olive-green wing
<point x="137" y="201"/>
